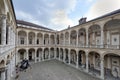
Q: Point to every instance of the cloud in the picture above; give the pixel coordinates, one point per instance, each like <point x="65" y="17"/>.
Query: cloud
<point x="52" y="13"/>
<point x="101" y="7"/>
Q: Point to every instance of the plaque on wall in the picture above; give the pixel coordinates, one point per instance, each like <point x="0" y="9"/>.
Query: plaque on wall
<point x="115" y="61"/>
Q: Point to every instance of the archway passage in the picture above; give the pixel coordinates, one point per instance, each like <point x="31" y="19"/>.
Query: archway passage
<point x="112" y="66"/>
<point x="57" y="55"/>
<point x="39" y="54"/>
<point x="22" y="54"/>
<point x="81" y="59"/>
<point x="46" y="54"/>
<point x="73" y="57"/>
<point x="66" y="56"/>
<point x="94" y="63"/>
<point x="31" y="54"/>
<point x="61" y="54"/>
<point x="51" y="53"/>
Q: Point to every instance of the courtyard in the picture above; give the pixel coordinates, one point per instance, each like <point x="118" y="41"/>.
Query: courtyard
<point x="53" y="70"/>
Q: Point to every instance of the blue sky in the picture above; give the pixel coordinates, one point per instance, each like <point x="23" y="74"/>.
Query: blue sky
<point x="58" y="14"/>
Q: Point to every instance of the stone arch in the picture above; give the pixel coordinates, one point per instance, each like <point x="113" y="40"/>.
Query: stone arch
<point x="73" y="56"/>
<point x="46" y="39"/>
<point x="31" y="54"/>
<point x="22" y="37"/>
<point x="52" y="39"/>
<point x="73" y="37"/>
<point x="40" y="38"/>
<point x="61" y="38"/>
<point x="82" y="37"/>
<point x="39" y="54"/>
<point x="94" y="33"/>
<point x="111" y="32"/>
<point x="52" y="53"/>
<point x="8" y="59"/>
<point x="21" y="54"/>
<point x="111" y="64"/>
<point x="46" y="53"/>
<point x="82" y="58"/>
<point x="31" y="37"/>
<point x="58" y="39"/>
<point x="66" y="55"/>
<point x="61" y="53"/>
<point x="66" y="38"/>
<point x="94" y="63"/>
<point x="57" y="55"/>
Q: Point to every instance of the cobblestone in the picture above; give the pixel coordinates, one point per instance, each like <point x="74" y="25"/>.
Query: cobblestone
<point x="54" y="70"/>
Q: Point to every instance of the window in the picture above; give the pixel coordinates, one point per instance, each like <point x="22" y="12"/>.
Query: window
<point x="22" y="40"/>
<point x="37" y="41"/>
<point x="30" y="41"/>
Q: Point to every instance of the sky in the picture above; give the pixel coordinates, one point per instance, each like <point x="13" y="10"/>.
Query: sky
<point x="59" y="14"/>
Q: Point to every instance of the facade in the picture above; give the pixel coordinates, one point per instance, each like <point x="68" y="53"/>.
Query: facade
<point x="93" y="46"/>
<point x="7" y="40"/>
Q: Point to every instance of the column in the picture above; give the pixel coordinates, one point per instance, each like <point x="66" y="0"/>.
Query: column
<point x="27" y="38"/>
<point x="102" y="36"/>
<point x="49" y="52"/>
<point x="49" y="40"/>
<point x="77" y="39"/>
<point x="87" y="38"/>
<point x="69" y="38"/>
<point x="3" y="29"/>
<point x="9" y="34"/>
<point x="43" y="38"/>
<point x="43" y="54"/>
<point x="102" y="68"/>
<point x="87" y="64"/>
<point x="35" y="55"/>
<point x="55" y="39"/>
<point x="27" y="57"/>
<point x="3" y="76"/>
<point x="64" y="55"/>
<point x="59" y="54"/>
<point x="35" y="38"/>
<point x="64" y="39"/>
<point x="69" y="56"/>
<point x="54" y="53"/>
<point x="77" y="59"/>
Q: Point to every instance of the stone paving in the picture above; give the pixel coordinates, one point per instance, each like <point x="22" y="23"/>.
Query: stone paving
<point x="53" y="70"/>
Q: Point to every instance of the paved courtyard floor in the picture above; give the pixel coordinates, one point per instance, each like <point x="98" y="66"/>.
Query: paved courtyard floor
<point x="53" y="70"/>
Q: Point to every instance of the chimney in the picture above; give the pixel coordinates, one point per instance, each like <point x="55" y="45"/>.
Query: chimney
<point x="82" y="20"/>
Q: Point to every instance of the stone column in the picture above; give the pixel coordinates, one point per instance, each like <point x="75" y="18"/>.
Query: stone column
<point x="43" y="39"/>
<point x="64" y="39"/>
<point x="49" y="40"/>
<point x="54" y="53"/>
<point x="49" y="52"/>
<point x="35" y="55"/>
<point x="35" y="38"/>
<point x="3" y="76"/>
<point x="64" y="55"/>
<point x="102" y="36"/>
<point x="77" y="59"/>
<point x="102" y="68"/>
<point x="59" y="54"/>
<point x="87" y="44"/>
<point x="69" y="56"/>
<point x="69" y="37"/>
<point x="9" y="34"/>
<point x="87" y="63"/>
<point x="77" y="38"/>
<point x="27" y="38"/>
<point x="43" y="54"/>
<point x="3" y="29"/>
<point x="27" y="57"/>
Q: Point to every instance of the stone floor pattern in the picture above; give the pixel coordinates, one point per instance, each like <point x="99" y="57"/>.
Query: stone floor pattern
<point x="53" y="70"/>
